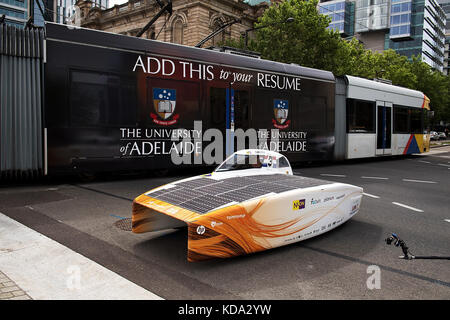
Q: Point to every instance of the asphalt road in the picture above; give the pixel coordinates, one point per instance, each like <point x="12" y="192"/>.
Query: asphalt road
<point x="409" y="196"/>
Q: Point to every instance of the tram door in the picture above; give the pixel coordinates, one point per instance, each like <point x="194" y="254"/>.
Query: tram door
<point x="384" y="128"/>
<point x="230" y="109"/>
<point x="238" y="115"/>
<point x="218" y="105"/>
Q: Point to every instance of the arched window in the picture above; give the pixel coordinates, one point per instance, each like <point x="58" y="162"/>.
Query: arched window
<point x="151" y="34"/>
<point x="219" y="38"/>
<point x="177" y="32"/>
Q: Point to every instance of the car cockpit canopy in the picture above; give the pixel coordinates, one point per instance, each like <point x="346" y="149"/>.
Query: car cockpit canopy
<point x="255" y="159"/>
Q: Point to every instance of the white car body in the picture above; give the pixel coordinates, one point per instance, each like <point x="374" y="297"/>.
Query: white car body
<point x="240" y="211"/>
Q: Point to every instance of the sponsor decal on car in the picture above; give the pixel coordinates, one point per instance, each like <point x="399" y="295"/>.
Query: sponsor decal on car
<point x="316" y="201"/>
<point x="236" y="216"/>
<point x="201" y="230"/>
<point x="298" y="204"/>
<point x="328" y="199"/>
<point x="215" y="223"/>
<point x="355" y="207"/>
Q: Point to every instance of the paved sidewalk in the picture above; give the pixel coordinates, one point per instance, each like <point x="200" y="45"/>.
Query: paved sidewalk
<point x="439" y="143"/>
<point x="11" y="291"/>
<point x="48" y="270"/>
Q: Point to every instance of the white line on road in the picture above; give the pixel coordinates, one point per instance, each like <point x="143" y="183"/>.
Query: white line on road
<point x="48" y="270"/>
<point x="376" y="178"/>
<point x="333" y="175"/>
<point x="407" y="207"/>
<point x="423" y="161"/>
<point x="371" y="195"/>
<point x="448" y="220"/>
<point x="444" y="164"/>
<point x="420" y="181"/>
<point x="433" y="152"/>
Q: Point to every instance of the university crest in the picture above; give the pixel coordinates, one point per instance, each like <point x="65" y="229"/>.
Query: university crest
<point x="164" y="102"/>
<point x="280" y="110"/>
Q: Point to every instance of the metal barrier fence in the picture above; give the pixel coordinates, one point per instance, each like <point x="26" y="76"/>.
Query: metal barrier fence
<point x="21" y="102"/>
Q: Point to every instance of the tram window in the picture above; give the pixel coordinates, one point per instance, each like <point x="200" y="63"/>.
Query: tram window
<point x="416" y="120"/>
<point x="100" y="99"/>
<point x="401" y="119"/>
<point x="263" y="111"/>
<point x="313" y="113"/>
<point x="360" y="116"/>
<point x="218" y="101"/>
<point x="241" y="107"/>
<point x="427" y="115"/>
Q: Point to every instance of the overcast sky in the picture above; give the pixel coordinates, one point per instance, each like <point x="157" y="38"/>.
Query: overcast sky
<point x="114" y="2"/>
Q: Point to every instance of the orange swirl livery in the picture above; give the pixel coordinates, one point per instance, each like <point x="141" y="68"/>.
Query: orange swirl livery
<point x="252" y="202"/>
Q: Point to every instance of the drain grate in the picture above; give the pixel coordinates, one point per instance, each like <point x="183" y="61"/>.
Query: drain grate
<point x="123" y="224"/>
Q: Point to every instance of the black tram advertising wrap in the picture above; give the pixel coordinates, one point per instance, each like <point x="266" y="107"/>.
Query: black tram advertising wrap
<point x="114" y="102"/>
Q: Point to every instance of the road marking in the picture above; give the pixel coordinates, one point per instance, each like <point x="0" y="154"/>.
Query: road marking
<point x="407" y="207"/>
<point x="371" y="195"/>
<point x="444" y="164"/>
<point x="423" y="161"/>
<point x="420" y="181"/>
<point x="48" y="270"/>
<point x="448" y="220"/>
<point x="433" y="152"/>
<point x="116" y="216"/>
<point x="333" y="175"/>
<point x="377" y="178"/>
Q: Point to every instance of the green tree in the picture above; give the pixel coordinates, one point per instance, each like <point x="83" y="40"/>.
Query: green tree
<point x="305" y="41"/>
<point x="435" y="86"/>
<point x="309" y="43"/>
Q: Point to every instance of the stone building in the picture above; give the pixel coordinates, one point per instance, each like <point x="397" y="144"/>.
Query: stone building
<point x="191" y="20"/>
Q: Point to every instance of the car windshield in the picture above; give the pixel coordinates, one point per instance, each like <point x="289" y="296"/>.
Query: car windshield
<point x="241" y="162"/>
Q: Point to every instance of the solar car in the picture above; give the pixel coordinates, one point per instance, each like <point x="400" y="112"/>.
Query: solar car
<point x="249" y="203"/>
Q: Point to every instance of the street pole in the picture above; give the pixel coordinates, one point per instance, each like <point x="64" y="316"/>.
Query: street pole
<point x="288" y="20"/>
<point x="216" y="32"/>
<point x="164" y="8"/>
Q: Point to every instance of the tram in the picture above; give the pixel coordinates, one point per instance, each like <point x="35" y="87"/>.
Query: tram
<point x="113" y="102"/>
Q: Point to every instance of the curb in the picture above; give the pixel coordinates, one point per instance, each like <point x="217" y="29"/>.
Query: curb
<point x="9" y="290"/>
<point x="440" y="146"/>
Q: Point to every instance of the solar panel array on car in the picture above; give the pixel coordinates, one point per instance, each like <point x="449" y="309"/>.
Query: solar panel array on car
<point x="205" y="194"/>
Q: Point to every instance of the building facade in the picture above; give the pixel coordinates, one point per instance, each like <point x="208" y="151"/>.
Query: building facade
<point x="60" y="11"/>
<point x="445" y="5"/>
<point x="342" y="14"/>
<point x="190" y="22"/>
<point x="410" y="27"/>
<point x="15" y="11"/>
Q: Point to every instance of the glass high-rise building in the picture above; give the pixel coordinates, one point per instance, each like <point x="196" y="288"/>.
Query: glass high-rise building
<point x="410" y="27"/>
<point x="420" y="30"/>
<point x="15" y="11"/>
<point x="341" y="13"/>
<point x="371" y="15"/>
<point x="445" y="5"/>
<point x="60" y="11"/>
